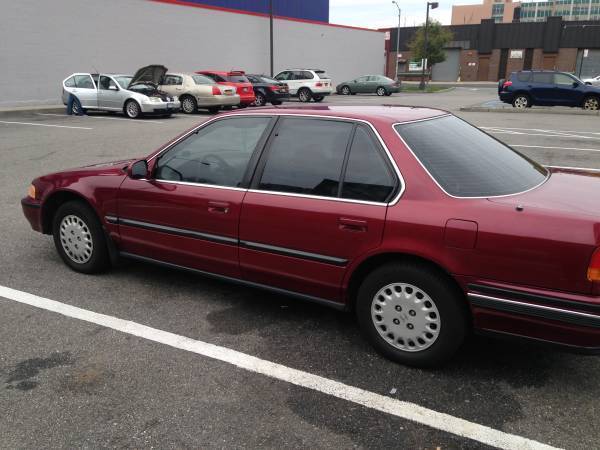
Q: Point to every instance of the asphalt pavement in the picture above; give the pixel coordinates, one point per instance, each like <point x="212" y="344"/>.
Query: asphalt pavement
<point x="72" y="382"/>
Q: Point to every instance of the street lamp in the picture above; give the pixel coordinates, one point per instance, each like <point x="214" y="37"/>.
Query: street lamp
<point x="271" y="33"/>
<point x="433" y="6"/>
<point x="397" y="37"/>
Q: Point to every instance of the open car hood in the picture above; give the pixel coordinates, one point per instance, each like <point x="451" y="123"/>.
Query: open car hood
<point x="152" y="74"/>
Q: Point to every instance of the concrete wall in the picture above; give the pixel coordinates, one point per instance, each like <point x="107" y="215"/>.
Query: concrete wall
<point x="41" y="42"/>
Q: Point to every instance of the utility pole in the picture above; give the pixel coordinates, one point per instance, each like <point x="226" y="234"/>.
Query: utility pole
<point x="271" y="33"/>
<point x="426" y="49"/>
<point x="397" y="37"/>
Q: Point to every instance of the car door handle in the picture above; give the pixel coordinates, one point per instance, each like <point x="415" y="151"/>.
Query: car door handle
<point x="218" y="207"/>
<point x="354" y="225"/>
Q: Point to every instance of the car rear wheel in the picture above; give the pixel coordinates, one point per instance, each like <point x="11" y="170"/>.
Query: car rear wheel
<point x="318" y="98"/>
<point x="521" y="101"/>
<point x="346" y="90"/>
<point x="412" y="314"/>
<point x="381" y="91"/>
<point x="189" y="104"/>
<point x="132" y="109"/>
<point x="304" y="95"/>
<point x="591" y="103"/>
<point x="260" y="100"/>
<point x="79" y="238"/>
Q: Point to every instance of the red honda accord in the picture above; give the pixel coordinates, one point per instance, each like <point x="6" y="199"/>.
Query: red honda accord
<point x="419" y="222"/>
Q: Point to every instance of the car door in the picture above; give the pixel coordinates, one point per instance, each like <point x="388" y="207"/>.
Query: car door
<point x="300" y="226"/>
<point x="566" y="90"/>
<point x="360" y="85"/>
<point x="85" y="91"/>
<point x="542" y="88"/>
<point x="187" y="212"/>
<point x="109" y="94"/>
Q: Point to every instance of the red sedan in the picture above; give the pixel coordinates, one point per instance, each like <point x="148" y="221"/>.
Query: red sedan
<point x="238" y="80"/>
<point x="419" y="222"/>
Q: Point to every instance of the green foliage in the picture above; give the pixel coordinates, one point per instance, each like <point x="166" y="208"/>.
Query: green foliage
<point x="437" y="38"/>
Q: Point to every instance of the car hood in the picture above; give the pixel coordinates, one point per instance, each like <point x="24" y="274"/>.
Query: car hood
<point x="152" y="74"/>
<point x="567" y="191"/>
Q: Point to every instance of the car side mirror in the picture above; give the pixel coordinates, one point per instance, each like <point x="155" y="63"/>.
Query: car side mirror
<point x="113" y="88"/>
<point x="575" y="84"/>
<point x="588" y="83"/>
<point x="139" y="170"/>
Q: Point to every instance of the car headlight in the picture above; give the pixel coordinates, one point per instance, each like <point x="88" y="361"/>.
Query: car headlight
<point x="174" y="98"/>
<point x="154" y="99"/>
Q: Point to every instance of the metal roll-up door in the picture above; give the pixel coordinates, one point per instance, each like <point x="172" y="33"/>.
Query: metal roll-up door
<point x="449" y="69"/>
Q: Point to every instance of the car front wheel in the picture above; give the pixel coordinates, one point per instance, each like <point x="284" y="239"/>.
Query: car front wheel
<point x="591" y="103"/>
<point x="132" y="109"/>
<point x="79" y="238"/>
<point x="304" y="95"/>
<point x="412" y="314"/>
<point x="521" y="101"/>
<point x="318" y="98"/>
<point x="346" y="90"/>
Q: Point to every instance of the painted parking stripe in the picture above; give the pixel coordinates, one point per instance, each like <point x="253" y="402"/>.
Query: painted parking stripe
<point x="44" y="125"/>
<point x="557" y="148"/>
<point x="388" y="405"/>
<point x="544" y="131"/>
<point x="103" y="117"/>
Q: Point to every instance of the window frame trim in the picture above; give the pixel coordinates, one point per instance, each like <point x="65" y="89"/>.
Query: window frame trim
<point x="548" y="172"/>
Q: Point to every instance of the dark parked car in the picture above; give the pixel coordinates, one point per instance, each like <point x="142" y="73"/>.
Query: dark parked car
<point x="532" y="87"/>
<point x="369" y="84"/>
<point x="380" y="210"/>
<point x="268" y="90"/>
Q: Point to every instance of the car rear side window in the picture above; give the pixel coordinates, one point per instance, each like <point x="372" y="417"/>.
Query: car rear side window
<point x="237" y="79"/>
<point x="466" y="162"/>
<point x="523" y="77"/>
<point x="368" y="176"/>
<point x="543" y="77"/>
<point x="173" y="80"/>
<point x="303" y="75"/>
<point x="218" y="154"/>
<point x="306" y="157"/>
<point x="70" y="82"/>
<point x="84" y="82"/>
<point x="564" y="79"/>
<point x="202" y="79"/>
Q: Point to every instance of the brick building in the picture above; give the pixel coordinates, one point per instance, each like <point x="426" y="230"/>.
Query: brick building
<point x="489" y="51"/>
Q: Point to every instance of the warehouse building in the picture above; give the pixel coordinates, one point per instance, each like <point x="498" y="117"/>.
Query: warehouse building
<point x="41" y="42"/>
<point x="489" y="51"/>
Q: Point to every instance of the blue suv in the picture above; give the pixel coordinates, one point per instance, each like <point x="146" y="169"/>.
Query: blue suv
<point x="532" y="87"/>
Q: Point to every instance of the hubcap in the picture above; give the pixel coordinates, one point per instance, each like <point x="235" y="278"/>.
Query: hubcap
<point x="521" y="102"/>
<point x="405" y="317"/>
<point x="75" y="108"/>
<point x="303" y="96"/>
<point x="260" y="100"/>
<point x="591" y="103"/>
<point x="346" y="90"/>
<point x="76" y="239"/>
<point x="380" y="92"/>
<point x="132" y="109"/>
<point x="188" y="105"/>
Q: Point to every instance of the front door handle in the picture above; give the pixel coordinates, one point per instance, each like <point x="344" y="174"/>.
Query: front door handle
<point x="354" y="225"/>
<point x="218" y="207"/>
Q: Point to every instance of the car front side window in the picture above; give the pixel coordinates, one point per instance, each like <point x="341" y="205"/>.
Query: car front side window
<point x="70" y="82"/>
<point x="217" y="154"/>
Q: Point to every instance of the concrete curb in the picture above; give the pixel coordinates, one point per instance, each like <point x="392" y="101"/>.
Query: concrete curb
<point x="33" y="109"/>
<point x="574" y="112"/>
<point x="441" y="91"/>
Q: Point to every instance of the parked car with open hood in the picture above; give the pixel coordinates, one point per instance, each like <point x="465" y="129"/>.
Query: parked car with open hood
<point x="594" y="81"/>
<point x="369" y="84"/>
<point x="135" y="95"/>
<point x="268" y="90"/>
<point x="199" y="91"/>
<point x="235" y="78"/>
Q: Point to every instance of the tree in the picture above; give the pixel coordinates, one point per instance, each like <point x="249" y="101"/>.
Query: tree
<point x="437" y="38"/>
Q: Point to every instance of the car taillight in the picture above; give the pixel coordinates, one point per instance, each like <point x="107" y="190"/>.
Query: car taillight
<point x="593" y="272"/>
<point x="274" y="88"/>
<point x="506" y="84"/>
<point x="216" y="90"/>
<point x="319" y="84"/>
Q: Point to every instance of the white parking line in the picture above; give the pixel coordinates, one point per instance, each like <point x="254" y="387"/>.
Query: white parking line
<point x="103" y="117"/>
<point x="44" y="125"/>
<point x="557" y="148"/>
<point x="405" y="410"/>
<point x="542" y="130"/>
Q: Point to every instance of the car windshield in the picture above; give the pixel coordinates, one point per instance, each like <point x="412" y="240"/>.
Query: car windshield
<point x="123" y="81"/>
<point x="322" y="74"/>
<point x="268" y="80"/>
<point x="201" y="79"/>
<point x="466" y="162"/>
<point x="237" y="78"/>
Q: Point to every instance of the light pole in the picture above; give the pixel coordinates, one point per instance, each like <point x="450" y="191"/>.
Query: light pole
<point x="426" y="48"/>
<point x="271" y="32"/>
<point x="397" y="37"/>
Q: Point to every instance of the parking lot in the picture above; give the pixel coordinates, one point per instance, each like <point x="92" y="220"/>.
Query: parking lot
<point x="74" y="379"/>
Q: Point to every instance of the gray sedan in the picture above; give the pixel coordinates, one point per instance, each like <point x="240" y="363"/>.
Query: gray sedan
<point x="369" y="84"/>
<point x="135" y="95"/>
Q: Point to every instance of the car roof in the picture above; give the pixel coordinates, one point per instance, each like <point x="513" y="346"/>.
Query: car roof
<point x="223" y="72"/>
<point x="386" y="113"/>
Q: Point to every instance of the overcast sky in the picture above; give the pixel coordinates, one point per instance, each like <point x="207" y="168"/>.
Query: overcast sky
<point x="382" y="14"/>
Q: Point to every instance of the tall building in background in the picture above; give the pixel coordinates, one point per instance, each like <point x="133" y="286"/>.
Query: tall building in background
<point x="506" y="11"/>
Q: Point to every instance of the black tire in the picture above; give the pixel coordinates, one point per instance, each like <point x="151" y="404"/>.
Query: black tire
<point x="591" y="103"/>
<point x="345" y="90"/>
<point x="304" y="95"/>
<point x="132" y="109"/>
<point x="260" y="100"/>
<point x="443" y="298"/>
<point x="388" y="94"/>
<point x="214" y="109"/>
<point x="76" y="108"/>
<point x="74" y="216"/>
<point x="381" y="91"/>
<point x="276" y="102"/>
<point x="521" y="101"/>
<point x="189" y="105"/>
<point x="318" y="98"/>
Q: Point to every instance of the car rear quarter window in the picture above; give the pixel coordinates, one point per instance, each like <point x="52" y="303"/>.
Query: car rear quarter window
<point x="306" y="156"/>
<point x="543" y="77"/>
<point x="84" y="82"/>
<point x="70" y="82"/>
<point x="304" y="75"/>
<point x="322" y="74"/>
<point x="564" y="79"/>
<point x="218" y="154"/>
<point x="523" y="77"/>
<point x="466" y="162"/>
<point x="368" y="176"/>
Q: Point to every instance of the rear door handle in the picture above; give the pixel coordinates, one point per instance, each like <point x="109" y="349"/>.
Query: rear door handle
<point x="354" y="225"/>
<point x="218" y="207"/>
